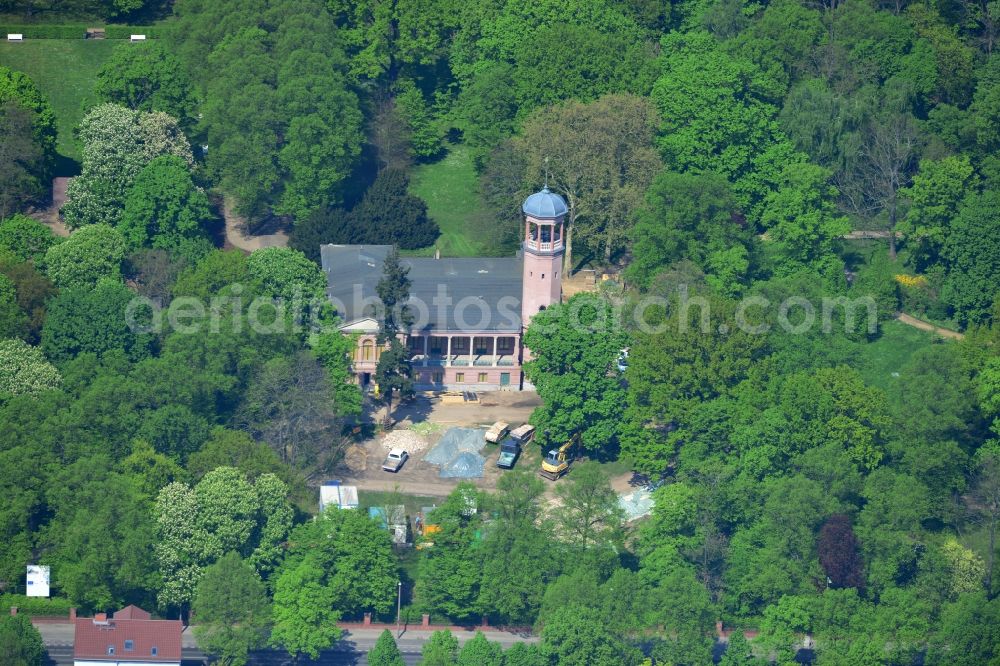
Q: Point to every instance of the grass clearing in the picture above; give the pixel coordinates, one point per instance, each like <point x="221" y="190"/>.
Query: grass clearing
<point x="451" y="189"/>
<point x="890" y="352"/>
<point x="413" y="503"/>
<point x="65" y="70"/>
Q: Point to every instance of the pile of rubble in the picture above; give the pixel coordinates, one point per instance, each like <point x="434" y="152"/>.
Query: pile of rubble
<point x="458" y="453"/>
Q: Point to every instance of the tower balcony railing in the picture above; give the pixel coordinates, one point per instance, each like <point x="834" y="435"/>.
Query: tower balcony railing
<point x="544" y="246"/>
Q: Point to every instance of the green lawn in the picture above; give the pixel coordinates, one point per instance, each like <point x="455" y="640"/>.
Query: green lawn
<point x="890" y="352"/>
<point x="451" y="189"/>
<point x="65" y="70"/>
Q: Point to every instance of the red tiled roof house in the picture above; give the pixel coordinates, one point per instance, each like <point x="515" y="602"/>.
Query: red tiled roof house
<point x="129" y="638"/>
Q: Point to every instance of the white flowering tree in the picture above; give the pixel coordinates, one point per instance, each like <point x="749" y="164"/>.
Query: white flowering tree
<point x="223" y="512"/>
<point x="117" y="143"/>
<point x="24" y="370"/>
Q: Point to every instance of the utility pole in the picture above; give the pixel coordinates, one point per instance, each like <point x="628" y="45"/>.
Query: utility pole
<point x="399" y="605"/>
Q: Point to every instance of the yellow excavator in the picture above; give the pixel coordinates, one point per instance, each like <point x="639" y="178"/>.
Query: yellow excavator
<point x="557" y="461"/>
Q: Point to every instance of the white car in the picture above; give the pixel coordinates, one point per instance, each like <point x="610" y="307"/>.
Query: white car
<point x="395" y="460"/>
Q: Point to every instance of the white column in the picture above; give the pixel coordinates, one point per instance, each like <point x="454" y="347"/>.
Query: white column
<point x="447" y="358"/>
<point x="471" y="349"/>
<point x="495" y="340"/>
<point x="426" y="338"/>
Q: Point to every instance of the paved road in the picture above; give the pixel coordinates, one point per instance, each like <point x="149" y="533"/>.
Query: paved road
<point x="349" y="651"/>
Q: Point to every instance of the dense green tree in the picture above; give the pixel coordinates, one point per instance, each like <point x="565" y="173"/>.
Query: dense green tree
<point x="738" y="651"/>
<point x="450" y="572"/>
<point x="100" y="540"/>
<point x="20" y="642"/>
<point x="523" y="654"/>
<point x="800" y="216"/>
<point x="283" y="123"/>
<point x="283" y="273"/>
<point x="509" y="62"/>
<point x="13" y="321"/>
<point x="387" y="214"/>
<point x="89" y="255"/>
<point x="25" y="238"/>
<point x="968" y="632"/>
<point x="212" y="273"/>
<point x="518" y="553"/>
<point x="426" y="129"/>
<point x="690" y="216"/>
<point x="393" y="372"/>
<point x="889" y="525"/>
<point x="576" y="635"/>
<point x="986" y="491"/>
<point x="936" y="193"/>
<point x="716" y="119"/>
<point x="682" y="605"/>
<point x="234" y="448"/>
<point x="82" y="319"/>
<point x="701" y="351"/>
<point x="973" y="259"/>
<point x="232" y="610"/>
<point x="385" y="652"/>
<point x="440" y="650"/>
<point x="478" y="651"/>
<point x="319" y="228"/>
<point x="22" y="159"/>
<point x="305" y="621"/>
<point x="575" y="347"/>
<point x="164" y="209"/>
<point x="334" y="350"/>
<point x="147" y="77"/>
<point x="356" y="556"/>
<point x="18" y="88"/>
<point x="775" y="555"/>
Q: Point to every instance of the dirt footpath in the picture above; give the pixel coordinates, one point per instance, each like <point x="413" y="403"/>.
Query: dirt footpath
<point x="237" y="237"/>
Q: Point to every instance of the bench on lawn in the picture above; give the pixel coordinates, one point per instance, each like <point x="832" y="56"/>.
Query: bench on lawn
<point x="15" y="37"/>
<point x="137" y="38"/>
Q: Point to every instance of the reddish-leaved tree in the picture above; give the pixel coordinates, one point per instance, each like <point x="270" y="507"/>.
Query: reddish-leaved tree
<point x="838" y="553"/>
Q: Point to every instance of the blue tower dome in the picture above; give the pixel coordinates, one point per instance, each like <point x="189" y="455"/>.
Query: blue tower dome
<point x="544" y="205"/>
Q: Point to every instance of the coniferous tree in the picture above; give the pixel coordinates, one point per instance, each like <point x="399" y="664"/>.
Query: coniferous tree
<point x="393" y="371"/>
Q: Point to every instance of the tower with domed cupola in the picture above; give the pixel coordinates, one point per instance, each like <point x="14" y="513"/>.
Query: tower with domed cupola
<point x="543" y="247"/>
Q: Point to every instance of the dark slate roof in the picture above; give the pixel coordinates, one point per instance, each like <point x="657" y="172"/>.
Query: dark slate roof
<point x="544" y="205"/>
<point x="484" y="292"/>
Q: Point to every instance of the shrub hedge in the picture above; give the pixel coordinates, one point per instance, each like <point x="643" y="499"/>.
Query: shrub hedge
<point x="32" y="606"/>
<point x="78" y="31"/>
<point x="126" y="31"/>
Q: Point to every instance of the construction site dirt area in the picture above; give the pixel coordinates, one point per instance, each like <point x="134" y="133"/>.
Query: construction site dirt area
<point x="424" y="423"/>
<point x="418" y="476"/>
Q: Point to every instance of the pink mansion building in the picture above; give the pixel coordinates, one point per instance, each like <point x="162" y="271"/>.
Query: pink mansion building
<point x="469" y="313"/>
